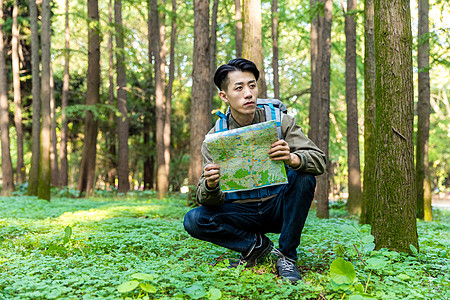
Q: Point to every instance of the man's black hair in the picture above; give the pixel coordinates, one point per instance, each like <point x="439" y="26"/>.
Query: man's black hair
<point x="236" y="64"/>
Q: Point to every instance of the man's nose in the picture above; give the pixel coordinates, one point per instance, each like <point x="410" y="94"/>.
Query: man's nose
<point x="247" y="92"/>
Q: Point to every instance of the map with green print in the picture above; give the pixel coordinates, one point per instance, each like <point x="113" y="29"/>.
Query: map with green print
<point x="243" y="159"/>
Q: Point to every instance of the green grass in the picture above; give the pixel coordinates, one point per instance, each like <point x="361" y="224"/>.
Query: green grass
<point x="85" y="248"/>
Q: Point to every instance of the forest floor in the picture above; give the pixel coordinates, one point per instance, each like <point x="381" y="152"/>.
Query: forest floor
<point x="135" y="246"/>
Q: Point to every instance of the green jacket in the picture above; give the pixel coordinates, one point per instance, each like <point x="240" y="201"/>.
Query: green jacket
<point x="312" y="158"/>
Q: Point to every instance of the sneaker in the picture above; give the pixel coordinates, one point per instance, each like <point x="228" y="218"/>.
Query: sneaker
<point x="262" y="247"/>
<point x="287" y="269"/>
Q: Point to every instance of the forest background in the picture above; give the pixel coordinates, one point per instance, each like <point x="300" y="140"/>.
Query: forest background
<point x="294" y="85"/>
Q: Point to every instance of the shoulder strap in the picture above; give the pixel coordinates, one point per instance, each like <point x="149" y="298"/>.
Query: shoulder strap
<point x="221" y="123"/>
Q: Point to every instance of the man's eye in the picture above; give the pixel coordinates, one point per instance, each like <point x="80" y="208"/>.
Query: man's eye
<point x="239" y="88"/>
<point x="252" y="85"/>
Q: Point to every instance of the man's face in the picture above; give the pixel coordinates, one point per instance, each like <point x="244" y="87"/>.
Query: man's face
<point x="240" y="94"/>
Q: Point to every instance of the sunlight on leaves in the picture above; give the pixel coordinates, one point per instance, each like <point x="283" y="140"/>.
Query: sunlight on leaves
<point x="128" y="286"/>
<point x="342" y="272"/>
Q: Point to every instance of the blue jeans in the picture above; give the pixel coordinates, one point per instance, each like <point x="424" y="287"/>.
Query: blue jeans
<point x="234" y="225"/>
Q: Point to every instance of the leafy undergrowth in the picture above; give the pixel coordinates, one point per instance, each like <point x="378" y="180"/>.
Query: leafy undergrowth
<point x="135" y="247"/>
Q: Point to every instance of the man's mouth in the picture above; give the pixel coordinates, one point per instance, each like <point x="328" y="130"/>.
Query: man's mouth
<point x="249" y="103"/>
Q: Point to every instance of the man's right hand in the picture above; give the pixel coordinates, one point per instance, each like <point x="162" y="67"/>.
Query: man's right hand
<point x="211" y="172"/>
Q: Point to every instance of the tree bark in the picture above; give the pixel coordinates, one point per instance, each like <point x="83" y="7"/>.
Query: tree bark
<point x="323" y="185"/>
<point x="33" y="177"/>
<point x="369" y="114"/>
<point x="212" y="48"/>
<point x="111" y="173"/>
<point x="162" y="182"/>
<point x="354" y="169"/>
<point x="200" y="122"/>
<point x="122" y="120"/>
<point x="20" y="168"/>
<point x="86" y="182"/>
<point x="64" y="173"/>
<point x="45" y="171"/>
<point x="316" y="60"/>
<point x="275" y="50"/>
<point x="252" y="40"/>
<point x="7" y="170"/>
<point x="394" y="221"/>
<point x="238" y="27"/>
<point x="423" y="186"/>
<point x="167" y="123"/>
<point x="53" y="138"/>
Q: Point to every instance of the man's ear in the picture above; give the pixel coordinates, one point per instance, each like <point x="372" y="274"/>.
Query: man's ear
<point x="223" y="96"/>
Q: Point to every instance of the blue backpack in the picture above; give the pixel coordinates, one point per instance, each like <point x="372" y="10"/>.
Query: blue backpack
<point x="273" y="109"/>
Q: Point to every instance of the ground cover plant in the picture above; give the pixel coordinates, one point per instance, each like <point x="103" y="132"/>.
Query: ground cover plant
<point x="135" y="247"/>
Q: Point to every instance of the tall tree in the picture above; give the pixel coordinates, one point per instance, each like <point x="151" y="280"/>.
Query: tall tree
<point x="53" y="138"/>
<point x="275" y="52"/>
<point x="20" y="168"/>
<point x="423" y="111"/>
<point x="200" y="119"/>
<point x="44" y="166"/>
<point x="316" y="60"/>
<point x="212" y="47"/>
<point x="394" y="218"/>
<point x="86" y="181"/>
<point x="238" y="27"/>
<point x="162" y="180"/>
<point x="252" y="40"/>
<point x="369" y="114"/>
<point x="7" y="170"/>
<point x="64" y="173"/>
<point x="323" y="185"/>
<point x="122" y="119"/>
<point x="33" y="178"/>
<point x="168" y="112"/>
<point x="354" y="169"/>
<point x="111" y="136"/>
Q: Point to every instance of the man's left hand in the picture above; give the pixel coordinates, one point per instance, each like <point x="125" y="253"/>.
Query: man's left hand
<point x="280" y="151"/>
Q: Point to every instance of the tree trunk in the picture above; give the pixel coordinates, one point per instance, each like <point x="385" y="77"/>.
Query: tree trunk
<point x="238" y="27"/>
<point x="323" y="185"/>
<point x="167" y="123"/>
<point x="354" y="169"/>
<point x="275" y="52"/>
<point x="394" y="221"/>
<point x="369" y="115"/>
<point x="20" y="168"/>
<point x="45" y="172"/>
<point x="122" y="120"/>
<point x="86" y="182"/>
<point x="213" y="47"/>
<point x="423" y="209"/>
<point x="200" y="122"/>
<point x="162" y="182"/>
<point x="53" y="138"/>
<point x="33" y="178"/>
<point x="7" y="170"/>
<point x="111" y="172"/>
<point x="252" y="40"/>
<point x="316" y="50"/>
<point x="64" y="173"/>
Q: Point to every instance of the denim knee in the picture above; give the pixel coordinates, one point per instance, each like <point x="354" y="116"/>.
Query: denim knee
<point x="306" y="180"/>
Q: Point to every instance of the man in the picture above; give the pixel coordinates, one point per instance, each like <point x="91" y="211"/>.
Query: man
<point x="239" y="220"/>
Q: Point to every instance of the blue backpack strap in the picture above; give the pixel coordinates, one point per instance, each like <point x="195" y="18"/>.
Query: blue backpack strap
<point x="221" y="123"/>
<point x="273" y="114"/>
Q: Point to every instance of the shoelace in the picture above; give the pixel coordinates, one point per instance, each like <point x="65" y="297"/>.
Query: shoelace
<point x="287" y="265"/>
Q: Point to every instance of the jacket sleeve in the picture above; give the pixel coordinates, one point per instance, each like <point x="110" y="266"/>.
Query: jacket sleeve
<point x="206" y="196"/>
<point x="313" y="159"/>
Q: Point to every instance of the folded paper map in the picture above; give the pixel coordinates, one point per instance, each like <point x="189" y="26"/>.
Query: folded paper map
<point x="242" y="155"/>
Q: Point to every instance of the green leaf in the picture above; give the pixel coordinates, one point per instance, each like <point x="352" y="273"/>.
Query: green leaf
<point x="196" y="291"/>
<point x="148" y="287"/>
<point x="368" y="239"/>
<point x="403" y="277"/>
<point x="128" y="286"/>
<point x="342" y="272"/>
<point x="413" y="249"/>
<point x="143" y="276"/>
<point x="376" y="263"/>
<point x="369" y="247"/>
<point x="68" y="234"/>
<point x="214" y="294"/>
<point x="349" y="229"/>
